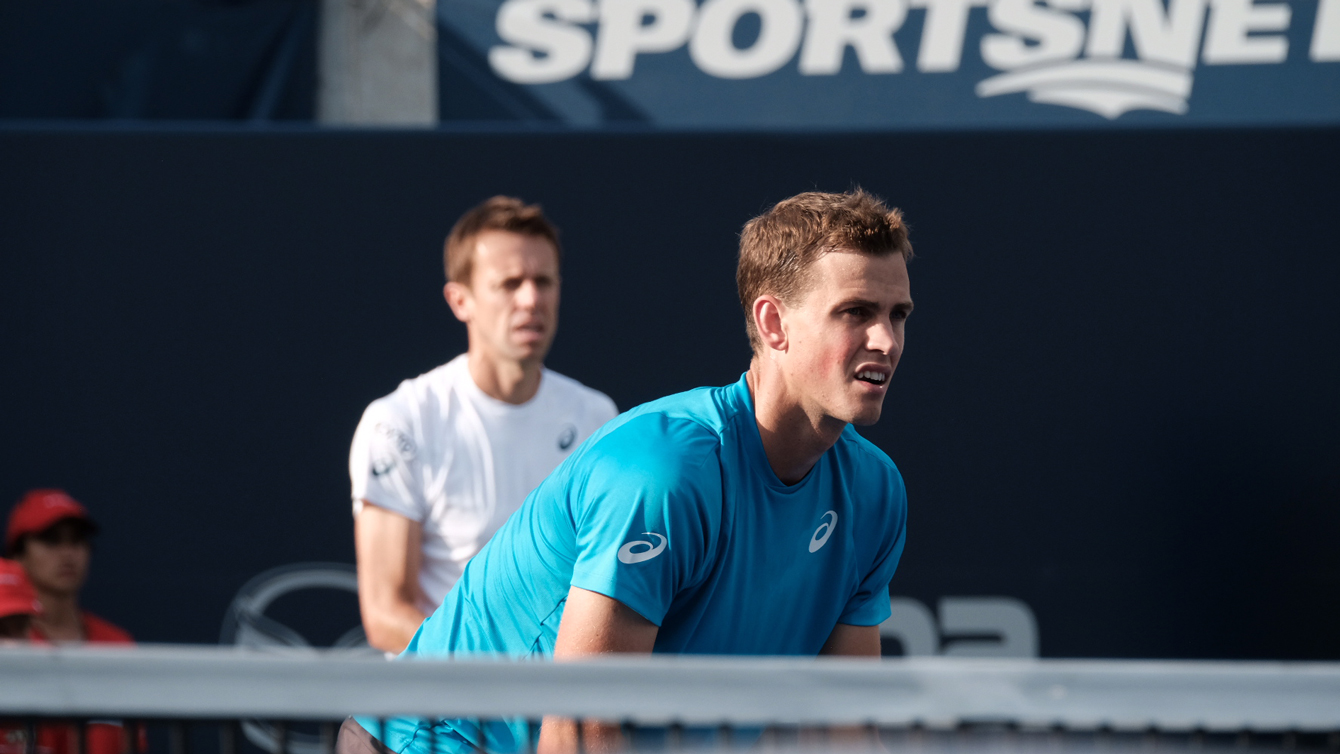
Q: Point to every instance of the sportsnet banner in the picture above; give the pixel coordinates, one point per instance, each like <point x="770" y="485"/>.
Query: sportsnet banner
<point x="881" y="64"/>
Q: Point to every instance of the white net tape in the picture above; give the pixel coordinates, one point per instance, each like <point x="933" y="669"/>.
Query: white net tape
<point x="934" y="693"/>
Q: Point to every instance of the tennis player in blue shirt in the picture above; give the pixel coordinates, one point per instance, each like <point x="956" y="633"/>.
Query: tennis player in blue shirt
<point x="745" y="519"/>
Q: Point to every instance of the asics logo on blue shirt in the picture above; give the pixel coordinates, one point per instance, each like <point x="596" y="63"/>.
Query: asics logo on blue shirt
<point x="626" y="554"/>
<point x="824" y="531"/>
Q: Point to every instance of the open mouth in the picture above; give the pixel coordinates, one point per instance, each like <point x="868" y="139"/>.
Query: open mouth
<point x="872" y="377"/>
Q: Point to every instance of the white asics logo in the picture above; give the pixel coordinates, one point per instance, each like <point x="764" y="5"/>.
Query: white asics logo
<point x="626" y="554"/>
<point x="824" y="531"/>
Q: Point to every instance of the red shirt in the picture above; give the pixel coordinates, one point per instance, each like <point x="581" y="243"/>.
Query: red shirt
<point x="99" y="631"/>
<point x="104" y="736"/>
<point x="96" y="631"/>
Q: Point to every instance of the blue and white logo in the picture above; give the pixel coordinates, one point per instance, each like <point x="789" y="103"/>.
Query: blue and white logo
<point x="909" y="63"/>
<point x="567" y="437"/>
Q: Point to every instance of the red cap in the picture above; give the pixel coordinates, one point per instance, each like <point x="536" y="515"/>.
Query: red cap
<point x="40" y="509"/>
<point x="17" y="596"/>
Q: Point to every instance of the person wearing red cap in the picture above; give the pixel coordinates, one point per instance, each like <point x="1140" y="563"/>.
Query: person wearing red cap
<point x="19" y="607"/>
<point x="18" y="602"/>
<point x="49" y="535"/>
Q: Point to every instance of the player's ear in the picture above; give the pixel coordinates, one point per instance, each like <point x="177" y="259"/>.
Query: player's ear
<point x="768" y="311"/>
<point x="460" y="300"/>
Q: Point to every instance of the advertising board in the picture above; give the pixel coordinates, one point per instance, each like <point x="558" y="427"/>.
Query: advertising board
<point x="901" y="64"/>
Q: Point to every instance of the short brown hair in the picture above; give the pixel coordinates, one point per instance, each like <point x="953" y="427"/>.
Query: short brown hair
<point x="778" y="247"/>
<point x="499" y="213"/>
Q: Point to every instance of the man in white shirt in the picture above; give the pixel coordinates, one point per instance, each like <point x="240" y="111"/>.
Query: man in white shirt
<point x="440" y="464"/>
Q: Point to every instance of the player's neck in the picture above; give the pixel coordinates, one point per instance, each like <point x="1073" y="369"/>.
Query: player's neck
<point x="508" y="381"/>
<point x="60" y="619"/>
<point x="792" y="439"/>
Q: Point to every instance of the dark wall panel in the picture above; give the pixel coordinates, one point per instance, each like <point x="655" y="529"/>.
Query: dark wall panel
<point x="1117" y="404"/>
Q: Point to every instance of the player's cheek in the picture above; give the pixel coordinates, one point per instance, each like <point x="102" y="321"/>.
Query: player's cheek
<point x="838" y="357"/>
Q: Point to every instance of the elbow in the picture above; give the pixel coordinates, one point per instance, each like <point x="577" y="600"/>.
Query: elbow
<point x="383" y="631"/>
<point x="382" y="640"/>
<point x="381" y="635"/>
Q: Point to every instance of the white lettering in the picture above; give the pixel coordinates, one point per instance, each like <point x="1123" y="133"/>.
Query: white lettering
<point x="832" y="29"/>
<point x="998" y="627"/>
<point x="544" y="41"/>
<point x="1059" y="35"/>
<point x="1007" y="618"/>
<point x="1226" y="39"/>
<point x="623" y="33"/>
<point x="1326" y="32"/>
<point x="713" y="50"/>
<point x="543" y="49"/>
<point x="942" y="33"/>
<point x="1173" y="37"/>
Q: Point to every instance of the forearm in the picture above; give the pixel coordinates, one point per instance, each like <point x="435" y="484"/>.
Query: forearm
<point x="593" y="624"/>
<point x="389" y="549"/>
<point x="848" y="641"/>
<point x="390" y="626"/>
<point x="559" y="735"/>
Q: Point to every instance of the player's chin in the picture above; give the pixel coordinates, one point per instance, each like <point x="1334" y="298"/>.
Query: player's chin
<point x="63" y="584"/>
<point x="867" y="417"/>
<point x="866" y="411"/>
<point x="530" y="350"/>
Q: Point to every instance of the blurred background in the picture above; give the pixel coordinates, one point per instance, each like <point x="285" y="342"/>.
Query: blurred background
<point x="1117" y="415"/>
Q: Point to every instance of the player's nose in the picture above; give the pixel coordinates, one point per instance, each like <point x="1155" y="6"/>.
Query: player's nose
<point x="880" y="337"/>
<point x="527" y="294"/>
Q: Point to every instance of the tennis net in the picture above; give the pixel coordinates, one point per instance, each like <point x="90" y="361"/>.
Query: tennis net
<point x="232" y="700"/>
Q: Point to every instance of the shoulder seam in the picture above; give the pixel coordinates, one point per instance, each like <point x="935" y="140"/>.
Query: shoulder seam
<point x="874" y="451"/>
<point x="577" y="385"/>
<point x="685" y="419"/>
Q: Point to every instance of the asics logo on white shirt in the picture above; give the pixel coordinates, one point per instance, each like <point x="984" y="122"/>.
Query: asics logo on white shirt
<point x="626" y="554"/>
<point x="824" y="531"/>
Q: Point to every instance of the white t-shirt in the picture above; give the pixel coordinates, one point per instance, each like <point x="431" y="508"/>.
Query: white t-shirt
<point x="441" y="452"/>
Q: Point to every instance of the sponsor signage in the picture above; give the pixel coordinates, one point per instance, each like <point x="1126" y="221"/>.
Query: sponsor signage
<point x="877" y="64"/>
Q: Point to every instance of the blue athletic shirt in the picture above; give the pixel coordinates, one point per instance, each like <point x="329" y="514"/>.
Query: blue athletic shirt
<point x="672" y="509"/>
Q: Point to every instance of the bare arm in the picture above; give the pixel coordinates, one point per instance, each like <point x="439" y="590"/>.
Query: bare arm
<point x="389" y="548"/>
<point x="852" y="641"/>
<point x="849" y="641"/>
<point x="593" y="624"/>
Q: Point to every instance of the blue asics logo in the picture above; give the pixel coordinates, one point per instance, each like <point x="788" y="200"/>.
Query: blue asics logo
<point x="824" y="531"/>
<point x="626" y="554"/>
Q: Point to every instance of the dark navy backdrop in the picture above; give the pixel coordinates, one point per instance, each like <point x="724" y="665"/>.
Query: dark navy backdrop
<point x="1117" y="404"/>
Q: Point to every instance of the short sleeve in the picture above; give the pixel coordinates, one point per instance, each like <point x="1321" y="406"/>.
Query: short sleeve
<point x="597" y="409"/>
<point x="606" y="410"/>
<point x="648" y="516"/>
<point x="869" y="606"/>
<point x="383" y="461"/>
